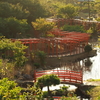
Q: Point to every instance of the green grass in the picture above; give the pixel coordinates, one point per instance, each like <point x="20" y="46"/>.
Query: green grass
<point x="93" y="80"/>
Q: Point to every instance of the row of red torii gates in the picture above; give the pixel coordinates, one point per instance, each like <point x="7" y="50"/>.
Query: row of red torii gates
<point x="70" y="43"/>
<point x="64" y="43"/>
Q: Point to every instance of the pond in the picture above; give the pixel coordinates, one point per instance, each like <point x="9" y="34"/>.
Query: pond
<point x="90" y="72"/>
<point x="94" y="72"/>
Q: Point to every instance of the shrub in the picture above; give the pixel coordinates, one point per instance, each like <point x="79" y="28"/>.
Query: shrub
<point x="6" y="69"/>
<point x="70" y="28"/>
<point x="88" y="48"/>
<point x="9" y="90"/>
<point x="41" y="55"/>
<point x="15" y="51"/>
<point x="13" y="28"/>
<point x="69" y="98"/>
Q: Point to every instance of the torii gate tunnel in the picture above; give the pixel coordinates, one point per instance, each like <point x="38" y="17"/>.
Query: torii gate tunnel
<point x="66" y="76"/>
<point x="63" y="43"/>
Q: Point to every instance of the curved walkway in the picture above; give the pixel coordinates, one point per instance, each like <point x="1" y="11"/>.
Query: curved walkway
<point x="66" y="76"/>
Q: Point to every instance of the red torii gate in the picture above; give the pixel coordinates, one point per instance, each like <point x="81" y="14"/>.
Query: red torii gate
<point x="64" y="42"/>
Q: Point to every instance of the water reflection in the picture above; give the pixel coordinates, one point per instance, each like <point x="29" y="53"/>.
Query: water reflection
<point x="91" y="71"/>
<point x="94" y="73"/>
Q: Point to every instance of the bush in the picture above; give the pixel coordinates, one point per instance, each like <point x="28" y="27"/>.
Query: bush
<point x="71" y="28"/>
<point x="13" y="51"/>
<point x="12" y="27"/>
<point x="6" y="69"/>
<point x="45" y="94"/>
<point x="41" y="55"/>
<point x="88" y="48"/>
<point x="9" y="90"/>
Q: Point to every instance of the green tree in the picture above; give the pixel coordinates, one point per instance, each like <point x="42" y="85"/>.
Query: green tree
<point x="34" y="8"/>
<point x="48" y="80"/>
<point x="68" y="11"/>
<point x="10" y="10"/>
<point x="43" y="26"/>
<point x="13" y="28"/>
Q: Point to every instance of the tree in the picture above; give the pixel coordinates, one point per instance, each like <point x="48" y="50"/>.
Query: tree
<point x="13" y="28"/>
<point x="10" y="10"/>
<point x="68" y="11"/>
<point x="34" y="8"/>
<point x="43" y="26"/>
<point x="20" y="14"/>
<point x="48" y="80"/>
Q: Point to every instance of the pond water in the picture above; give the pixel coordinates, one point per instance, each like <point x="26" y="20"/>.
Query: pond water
<point x="94" y="72"/>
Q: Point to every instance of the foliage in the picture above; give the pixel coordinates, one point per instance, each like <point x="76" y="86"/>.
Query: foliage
<point x="9" y="10"/>
<point x="41" y="55"/>
<point x="43" y="26"/>
<point x="88" y="48"/>
<point x="68" y="11"/>
<point x="90" y="31"/>
<point x="32" y="7"/>
<point x="33" y="93"/>
<point x="45" y="94"/>
<point x="13" y="26"/>
<point x="48" y="80"/>
<point x="69" y="98"/>
<point x="15" y="51"/>
<point x="9" y="90"/>
<point x="63" y="91"/>
<point x="6" y="69"/>
<point x="52" y="7"/>
<point x="98" y="19"/>
<point x="70" y="28"/>
<point x="93" y="80"/>
<point x="95" y="93"/>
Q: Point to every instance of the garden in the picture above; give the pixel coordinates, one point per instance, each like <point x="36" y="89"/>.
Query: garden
<point x="28" y="19"/>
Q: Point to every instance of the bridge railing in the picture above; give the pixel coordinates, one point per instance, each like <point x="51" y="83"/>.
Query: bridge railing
<point x="64" y="75"/>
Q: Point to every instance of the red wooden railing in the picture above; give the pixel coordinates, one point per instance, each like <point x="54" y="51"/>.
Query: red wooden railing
<point x="57" y="98"/>
<point x="66" y="76"/>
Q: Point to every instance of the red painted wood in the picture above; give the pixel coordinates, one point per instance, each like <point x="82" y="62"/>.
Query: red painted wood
<point x="64" y="75"/>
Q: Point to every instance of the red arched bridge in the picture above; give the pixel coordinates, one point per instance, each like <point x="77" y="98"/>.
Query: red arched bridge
<point x="66" y="76"/>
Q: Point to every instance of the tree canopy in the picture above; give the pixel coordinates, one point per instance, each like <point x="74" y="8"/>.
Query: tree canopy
<point x="48" y="80"/>
<point x="68" y="11"/>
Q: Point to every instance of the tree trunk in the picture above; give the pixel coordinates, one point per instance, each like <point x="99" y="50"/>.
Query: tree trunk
<point x="49" y="94"/>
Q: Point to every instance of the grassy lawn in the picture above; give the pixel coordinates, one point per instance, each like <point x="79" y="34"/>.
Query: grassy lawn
<point x="94" y="91"/>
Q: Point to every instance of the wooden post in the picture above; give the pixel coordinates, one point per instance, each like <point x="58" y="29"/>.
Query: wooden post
<point x="34" y="75"/>
<point x="57" y="48"/>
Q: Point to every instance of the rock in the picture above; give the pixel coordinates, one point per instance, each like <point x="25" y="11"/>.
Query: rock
<point x="27" y="77"/>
